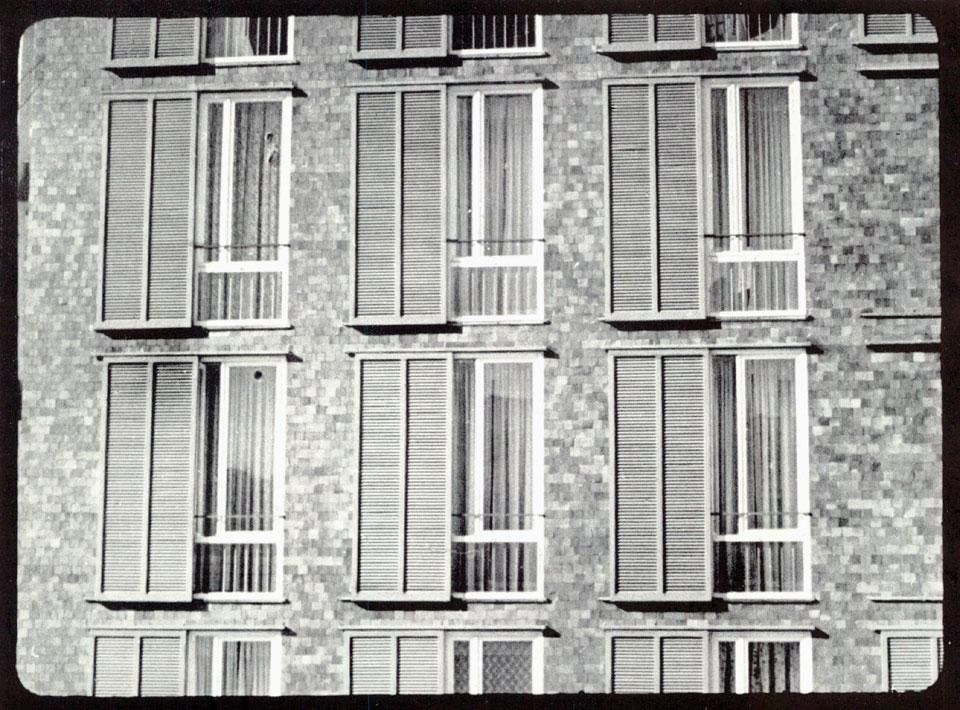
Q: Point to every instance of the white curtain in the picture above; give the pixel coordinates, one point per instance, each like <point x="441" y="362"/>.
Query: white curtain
<point x="766" y="147"/>
<point x="256" y="179"/>
<point x="507" y="139"/>
<point x="725" y="448"/>
<point x="721" y="178"/>
<point x="774" y="667"/>
<point x="246" y="668"/>
<point x="463" y="446"/>
<point x="203" y="665"/>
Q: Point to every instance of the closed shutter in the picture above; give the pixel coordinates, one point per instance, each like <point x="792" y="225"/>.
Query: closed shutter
<point x="633" y="668"/>
<point x="911" y="662"/>
<point x="161" y="666"/>
<point x="418" y="665"/>
<point x="660" y="511"/>
<point x="149" y="41"/>
<point x="654" y="200"/>
<point x="629" y="28"/>
<point x="651" y="33"/>
<point x="891" y="24"/>
<point x="923" y="26"/>
<point x="683" y="664"/>
<point x="148" y="204"/>
<point x="658" y="663"/>
<point x="676" y="30"/>
<point x="403" y="546"/>
<point x="115" y="666"/>
<point x="399" y="248"/>
<point x="372" y="666"/>
<point x="147" y="513"/>
<point x="394" y="37"/>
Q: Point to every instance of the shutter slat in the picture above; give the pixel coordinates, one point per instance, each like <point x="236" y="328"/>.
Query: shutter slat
<point x="131" y="38"/>
<point x="176" y="37"/>
<point x="124" y="211"/>
<point x="909" y="663"/>
<point x="379" y="509"/>
<point x="418" y="665"/>
<point x="889" y="24"/>
<point x="169" y="559"/>
<point x="161" y="672"/>
<point x="682" y="664"/>
<point x="675" y="28"/>
<point x="684" y="475"/>
<point x="422" y="255"/>
<point x="678" y="197"/>
<point x="633" y="664"/>
<point x="424" y="31"/>
<point x="123" y="522"/>
<point x="427" y="521"/>
<point x="377" y="32"/>
<point x="629" y="28"/>
<point x="637" y="506"/>
<point x="375" y="268"/>
<point x="371" y="671"/>
<point x="168" y="278"/>
<point x="923" y="26"/>
<point x="114" y="666"/>
<point x="630" y="199"/>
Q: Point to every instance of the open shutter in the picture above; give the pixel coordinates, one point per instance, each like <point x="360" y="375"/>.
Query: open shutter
<point x="115" y="671"/>
<point x="653" y="33"/>
<point x="403" y="543"/>
<point x="148" y="482"/>
<point x="399" y="221"/>
<point x="400" y="37"/>
<point x="660" y="533"/>
<point x="372" y="668"/>
<point x="148" y="213"/>
<point x="151" y="41"/>
<point x="656" y="263"/>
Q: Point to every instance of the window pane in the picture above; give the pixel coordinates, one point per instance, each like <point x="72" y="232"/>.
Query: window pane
<point x="766" y="146"/>
<point x="463" y="446"/>
<point x="746" y="28"/>
<point x="493" y="290"/>
<point x="246" y="667"/>
<point x="249" y="464"/>
<point x="236" y="568"/>
<point x="721" y="179"/>
<point x="507" y="440"/>
<point x="758" y="566"/>
<point x="203" y="665"/>
<point x="464" y="175"/>
<point x="256" y="180"/>
<point x="726" y="666"/>
<point x="507" y="667"/>
<point x="753" y="286"/>
<point x="493" y="31"/>
<point x="774" y="667"/>
<point x="214" y="158"/>
<point x="461" y="666"/>
<point x="725" y="444"/>
<point x="246" y="36"/>
<point x="494" y="567"/>
<point x="254" y="295"/>
<point x="507" y="142"/>
<point x="207" y="490"/>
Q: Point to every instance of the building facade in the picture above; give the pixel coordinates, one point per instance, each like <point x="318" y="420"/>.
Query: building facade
<point x="480" y="354"/>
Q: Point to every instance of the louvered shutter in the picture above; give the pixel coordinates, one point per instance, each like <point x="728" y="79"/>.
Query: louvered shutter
<point x="115" y="666"/>
<point x="150" y="41"/>
<point x="148" y="481"/>
<point x="890" y="24"/>
<point x="654" y="201"/>
<point x="632" y="664"/>
<point x="683" y="664"/>
<point x="396" y="37"/>
<point x="161" y="665"/>
<point x="923" y="26"/>
<point x="658" y="663"/>
<point x="651" y="33"/>
<point x="372" y="665"/>
<point x="399" y="221"/>
<point x="403" y="546"/>
<point x="148" y="205"/>
<point x="911" y="662"/>
<point x="418" y="665"/>
<point x="660" y="487"/>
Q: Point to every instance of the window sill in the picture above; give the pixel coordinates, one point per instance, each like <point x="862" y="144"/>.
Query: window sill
<point x="499" y="54"/>
<point x="213" y="598"/>
<point x="900" y="314"/>
<point x="647" y="48"/>
<point x="755" y="46"/>
<point x="760" y="317"/>
<point x="880" y="69"/>
<point x="502" y="599"/>
<point x="903" y="40"/>
<point x="249" y="61"/>
<point x="734" y="598"/>
<point x="501" y="321"/>
<point x="249" y="325"/>
<point x="907" y="600"/>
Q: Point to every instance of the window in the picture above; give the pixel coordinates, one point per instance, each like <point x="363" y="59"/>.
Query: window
<point x="170" y="533"/>
<point x="393" y="37"/>
<point x="761" y="521"/>
<point x="241" y="39"/>
<point x="423" y="661"/>
<point x="680" y="432"/>
<point x="747" y="31"/>
<point x="158" y="662"/>
<point x="242" y="218"/>
<point x="495" y="34"/>
<point x="496" y="260"/>
<point x="450" y="489"/>
<point x="754" y="246"/>
<point x="912" y="659"/>
<point x="468" y="253"/>
<point x="900" y="28"/>
<point x="239" y="213"/>
<point x="665" y="33"/>
<point x="690" y="661"/>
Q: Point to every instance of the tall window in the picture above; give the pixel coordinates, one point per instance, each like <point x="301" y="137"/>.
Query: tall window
<point x="234" y="664"/>
<point x="239" y="493"/>
<point x="242" y="217"/>
<point x="761" y="663"/>
<point x="241" y="38"/>
<point x="761" y="501"/>
<point x="749" y="30"/>
<point x="486" y="34"/>
<point x="497" y="476"/>
<point x="496" y="230"/>
<point x="494" y="663"/>
<point x="755" y="241"/>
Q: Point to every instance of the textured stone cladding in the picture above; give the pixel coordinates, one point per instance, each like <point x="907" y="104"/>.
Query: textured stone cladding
<point x="870" y="173"/>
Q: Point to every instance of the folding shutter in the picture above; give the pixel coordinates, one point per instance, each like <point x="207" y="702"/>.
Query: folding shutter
<point x="161" y="665"/>
<point x="403" y="545"/>
<point x="149" y="41"/>
<point x="910" y="662"/>
<point x="683" y="664"/>
<point x="148" y="481"/>
<point x="399" y="221"/>
<point x="651" y="33"/>
<point x="399" y="37"/>
<point x="632" y="664"/>
<point x="654" y="201"/>
<point x="418" y="665"/>
<point x="372" y="666"/>
<point x="658" y="663"/>
<point x="148" y="213"/>
<point x="115" y="665"/>
<point x="891" y="24"/>
<point x="660" y="478"/>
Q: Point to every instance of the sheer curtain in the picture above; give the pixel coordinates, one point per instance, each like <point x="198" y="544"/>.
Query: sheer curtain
<point x="774" y="667"/>
<point x="507" y="455"/>
<point x="766" y="146"/>
<point x="507" y="201"/>
<point x="246" y="36"/>
<point x="463" y="446"/>
<point x="256" y="179"/>
<point x="203" y="665"/>
<point x="725" y="448"/>
<point x="246" y="667"/>
<point x="464" y="176"/>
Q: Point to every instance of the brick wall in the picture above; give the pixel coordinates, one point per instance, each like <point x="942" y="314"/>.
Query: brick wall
<point x="870" y="167"/>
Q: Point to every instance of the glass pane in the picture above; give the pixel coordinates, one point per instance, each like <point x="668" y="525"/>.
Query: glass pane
<point x="246" y="667"/>
<point x="508" y="446"/>
<point x="508" y="158"/>
<point x="721" y="178"/>
<point x="746" y="28"/>
<point x="207" y="487"/>
<point x="726" y="667"/>
<point x="507" y="667"/>
<point x="463" y="228"/>
<point x="256" y="180"/>
<point x="211" y="235"/>
<point x="463" y="446"/>
<point x="754" y="286"/>
<point x="774" y="667"/>
<point x="758" y="566"/>
<point x="493" y="31"/>
<point x="461" y="666"/>
<point x="725" y="488"/>
<point x="494" y="567"/>
<point x="246" y="36"/>
<point x="239" y="295"/>
<point x="771" y="443"/>
<point x="249" y="464"/>
<point x="233" y="568"/>
<point x="493" y="291"/>
<point x="765" y="123"/>
<point x="203" y="665"/>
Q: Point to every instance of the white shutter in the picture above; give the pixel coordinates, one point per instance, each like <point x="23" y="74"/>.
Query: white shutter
<point x="633" y="668"/>
<point x="372" y="669"/>
<point x="683" y="664"/>
<point x="911" y="662"/>
<point x="115" y="665"/>
<point x="653" y="33"/>
<point x="161" y="665"/>
<point x="418" y="665"/>
<point x="658" y="662"/>
<point x="400" y="37"/>
<point x="151" y="41"/>
<point x="890" y="24"/>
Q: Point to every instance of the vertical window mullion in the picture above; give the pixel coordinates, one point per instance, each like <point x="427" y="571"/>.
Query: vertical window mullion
<point x="226" y="180"/>
<point x="476" y="666"/>
<point x="477" y="176"/>
<point x="216" y="666"/>
<point x="741" y="666"/>
<point x="735" y="173"/>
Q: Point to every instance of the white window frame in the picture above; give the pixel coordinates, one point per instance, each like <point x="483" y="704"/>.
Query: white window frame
<point x="477" y="259"/>
<point x="224" y="264"/>
<point x="792" y="22"/>
<point x="534" y="51"/>
<point x="235" y="537"/>
<point x="930" y="633"/>
<point x="736" y="252"/>
<point x="741" y="656"/>
<point x="800" y="534"/>
<point x="476" y="641"/>
<point x="274" y="638"/>
<point x="535" y="534"/>
<point x="286" y="58"/>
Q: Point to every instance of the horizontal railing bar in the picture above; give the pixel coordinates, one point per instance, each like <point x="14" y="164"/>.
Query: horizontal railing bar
<point x="265" y="245"/>
<point x="755" y="234"/>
